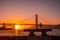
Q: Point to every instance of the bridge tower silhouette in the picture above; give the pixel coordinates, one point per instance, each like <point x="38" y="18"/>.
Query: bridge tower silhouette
<point x="36" y="21"/>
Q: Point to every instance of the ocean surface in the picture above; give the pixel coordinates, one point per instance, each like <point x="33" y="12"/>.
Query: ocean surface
<point x="54" y="32"/>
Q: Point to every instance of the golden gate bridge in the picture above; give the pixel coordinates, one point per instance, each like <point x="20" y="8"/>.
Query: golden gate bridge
<point x="13" y="24"/>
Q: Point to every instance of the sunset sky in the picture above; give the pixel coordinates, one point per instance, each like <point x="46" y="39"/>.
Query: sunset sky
<point x="19" y="10"/>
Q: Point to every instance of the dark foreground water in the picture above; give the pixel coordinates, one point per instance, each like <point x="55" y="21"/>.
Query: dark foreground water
<point x="29" y="38"/>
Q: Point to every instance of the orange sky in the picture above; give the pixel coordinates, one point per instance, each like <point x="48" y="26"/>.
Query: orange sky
<point x="16" y="11"/>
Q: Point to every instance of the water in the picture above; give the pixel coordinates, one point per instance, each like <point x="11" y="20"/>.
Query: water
<point x="54" y="32"/>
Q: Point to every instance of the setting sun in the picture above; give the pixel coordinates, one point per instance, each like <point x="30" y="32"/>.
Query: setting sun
<point x="17" y="26"/>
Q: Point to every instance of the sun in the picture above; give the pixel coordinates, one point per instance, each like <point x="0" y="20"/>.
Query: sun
<point x="17" y="26"/>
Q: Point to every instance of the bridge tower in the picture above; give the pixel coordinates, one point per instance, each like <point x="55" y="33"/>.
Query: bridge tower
<point x="36" y="21"/>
